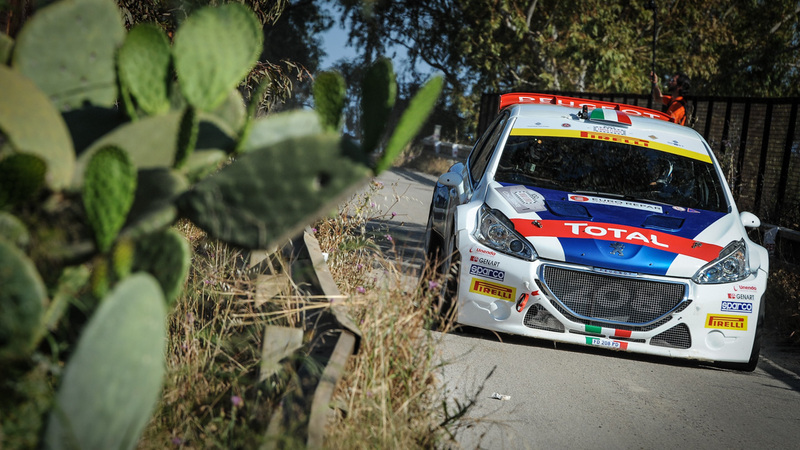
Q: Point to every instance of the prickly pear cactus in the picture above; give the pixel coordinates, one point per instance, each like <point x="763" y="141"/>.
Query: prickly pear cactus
<point x="13" y="230"/>
<point x="22" y="303"/>
<point x="144" y="62"/>
<point x="187" y="136"/>
<point x="410" y="122"/>
<point x="329" y="99"/>
<point x="378" y="94"/>
<point x="21" y="178"/>
<point x="167" y="256"/>
<point x="113" y="380"/>
<point x="68" y="49"/>
<point x="6" y="46"/>
<point x="122" y="257"/>
<point x="298" y="178"/>
<point x="32" y="125"/>
<point x="213" y="50"/>
<point x="108" y="193"/>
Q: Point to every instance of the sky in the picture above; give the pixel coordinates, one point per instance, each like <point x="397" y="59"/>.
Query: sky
<point x="336" y="48"/>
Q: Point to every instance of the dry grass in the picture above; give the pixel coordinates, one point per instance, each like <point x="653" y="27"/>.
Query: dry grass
<point x="389" y="395"/>
<point x="213" y="397"/>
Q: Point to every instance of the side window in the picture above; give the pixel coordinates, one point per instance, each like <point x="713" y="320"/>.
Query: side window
<point x="479" y="158"/>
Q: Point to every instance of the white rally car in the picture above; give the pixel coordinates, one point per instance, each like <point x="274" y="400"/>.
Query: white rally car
<point x="599" y="224"/>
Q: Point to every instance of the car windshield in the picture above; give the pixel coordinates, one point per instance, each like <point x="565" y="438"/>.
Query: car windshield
<point x="611" y="169"/>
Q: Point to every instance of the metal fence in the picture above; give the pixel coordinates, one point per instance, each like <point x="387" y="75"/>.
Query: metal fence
<point x="756" y="140"/>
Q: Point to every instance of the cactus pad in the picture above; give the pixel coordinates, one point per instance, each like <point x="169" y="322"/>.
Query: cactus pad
<point x="112" y="382"/>
<point x="214" y="49"/>
<point x="329" y="98"/>
<point x="187" y="136"/>
<point x="33" y="125"/>
<point x="22" y="301"/>
<point x="21" y="178"/>
<point x="410" y="122"/>
<point x="144" y="61"/>
<point x="165" y="255"/>
<point x="67" y="48"/>
<point x="150" y="143"/>
<point x="378" y="94"/>
<point x="108" y="193"/>
<point x="275" y="128"/>
<point x="269" y="194"/>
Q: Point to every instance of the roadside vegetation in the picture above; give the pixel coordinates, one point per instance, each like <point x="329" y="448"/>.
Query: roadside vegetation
<point x="389" y="396"/>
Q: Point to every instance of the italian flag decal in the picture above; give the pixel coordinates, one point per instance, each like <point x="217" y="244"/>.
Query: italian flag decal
<point x="610" y="115"/>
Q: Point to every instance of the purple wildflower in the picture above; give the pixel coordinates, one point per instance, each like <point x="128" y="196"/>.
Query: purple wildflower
<point x="361" y="290"/>
<point x="237" y="401"/>
<point x="389" y="238"/>
<point x="432" y="285"/>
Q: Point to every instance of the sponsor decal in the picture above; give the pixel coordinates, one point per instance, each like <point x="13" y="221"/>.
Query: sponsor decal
<point x="492" y="289"/>
<point x="740" y="307"/>
<point x="608" y="343"/>
<point x="484" y="261"/>
<point x="523" y="199"/>
<point x="476" y="249"/>
<point x="611" y="130"/>
<point x="566" y="125"/>
<point x="699" y="153"/>
<point x="487" y="272"/>
<point x="616" y="202"/>
<point x="740" y="296"/>
<point x="744" y="287"/>
<point x="726" y="322"/>
<point x="619" y="233"/>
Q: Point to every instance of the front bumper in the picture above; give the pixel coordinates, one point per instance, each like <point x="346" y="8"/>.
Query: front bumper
<point x="582" y="305"/>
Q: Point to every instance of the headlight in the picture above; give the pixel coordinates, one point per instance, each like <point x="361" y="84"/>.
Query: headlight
<point x="730" y="266"/>
<point x="497" y="232"/>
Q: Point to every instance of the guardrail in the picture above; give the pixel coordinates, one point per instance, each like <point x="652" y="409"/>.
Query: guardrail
<point x="305" y="408"/>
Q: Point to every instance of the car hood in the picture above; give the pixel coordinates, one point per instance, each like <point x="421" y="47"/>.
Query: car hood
<point x="615" y="234"/>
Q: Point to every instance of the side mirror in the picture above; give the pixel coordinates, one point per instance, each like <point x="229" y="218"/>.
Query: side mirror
<point x="453" y="180"/>
<point x="749" y="220"/>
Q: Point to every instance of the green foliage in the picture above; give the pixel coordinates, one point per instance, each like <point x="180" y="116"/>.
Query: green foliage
<point x="144" y="62"/>
<point x="33" y="125"/>
<point x="22" y="303"/>
<point x="378" y="94"/>
<point x="13" y="230"/>
<point x="214" y="49"/>
<point x="329" y="99"/>
<point x="68" y="49"/>
<point x="21" y="178"/>
<point x="186" y="147"/>
<point x="6" y="45"/>
<point x="114" y="378"/>
<point x="108" y="193"/>
<point x="410" y="122"/>
<point x="187" y="136"/>
<point x="166" y="256"/>
<point x="321" y="174"/>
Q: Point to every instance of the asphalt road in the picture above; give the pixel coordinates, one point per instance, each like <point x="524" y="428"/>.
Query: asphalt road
<point x="561" y="396"/>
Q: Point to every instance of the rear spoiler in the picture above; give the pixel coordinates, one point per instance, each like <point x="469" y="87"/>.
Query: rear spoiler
<point x="515" y="98"/>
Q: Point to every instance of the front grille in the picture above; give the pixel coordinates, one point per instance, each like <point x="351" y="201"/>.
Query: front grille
<point x="627" y="303"/>
<point x="676" y="337"/>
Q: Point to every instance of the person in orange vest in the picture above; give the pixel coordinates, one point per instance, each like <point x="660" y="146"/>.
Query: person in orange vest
<point x="675" y="102"/>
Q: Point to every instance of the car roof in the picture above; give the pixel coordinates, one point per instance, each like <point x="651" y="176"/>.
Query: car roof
<point x="567" y="117"/>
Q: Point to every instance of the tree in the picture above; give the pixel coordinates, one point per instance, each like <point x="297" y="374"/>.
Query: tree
<point x="746" y="47"/>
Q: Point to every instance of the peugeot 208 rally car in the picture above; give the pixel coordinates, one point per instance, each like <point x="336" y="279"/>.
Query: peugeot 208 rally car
<point x="599" y="224"/>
